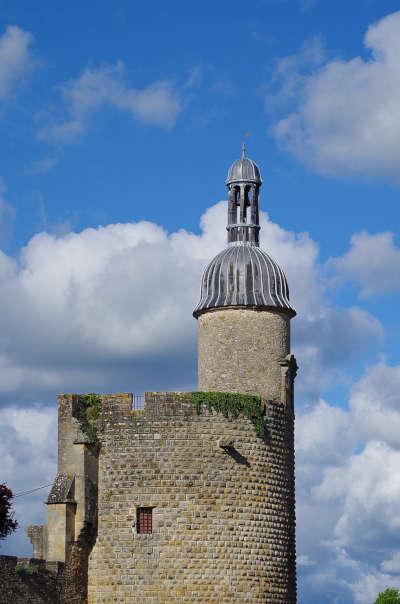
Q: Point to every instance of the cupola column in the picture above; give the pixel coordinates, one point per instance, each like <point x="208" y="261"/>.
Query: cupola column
<point x="243" y="226"/>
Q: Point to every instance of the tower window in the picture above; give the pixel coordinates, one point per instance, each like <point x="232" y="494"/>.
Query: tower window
<point x="144" y="521"/>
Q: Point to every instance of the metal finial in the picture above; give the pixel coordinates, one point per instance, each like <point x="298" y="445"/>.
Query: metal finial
<point x="243" y="150"/>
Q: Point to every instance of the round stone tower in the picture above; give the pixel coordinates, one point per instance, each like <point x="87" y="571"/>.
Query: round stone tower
<point x="244" y="318"/>
<point x="244" y="311"/>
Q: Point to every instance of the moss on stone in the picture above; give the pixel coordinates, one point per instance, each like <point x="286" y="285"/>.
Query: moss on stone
<point x="231" y="405"/>
<point x="29" y="569"/>
<point x="90" y="413"/>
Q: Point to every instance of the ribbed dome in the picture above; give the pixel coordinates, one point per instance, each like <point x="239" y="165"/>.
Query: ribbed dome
<point x="244" y="170"/>
<point x="244" y="275"/>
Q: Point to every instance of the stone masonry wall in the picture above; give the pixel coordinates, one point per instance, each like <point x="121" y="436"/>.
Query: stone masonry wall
<point x="75" y="585"/>
<point x="38" y="537"/>
<point x="239" y="350"/>
<point x="223" y="519"/>
<point x="40" y="583"/>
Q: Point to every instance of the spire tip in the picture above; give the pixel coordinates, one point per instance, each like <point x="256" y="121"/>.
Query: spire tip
<point x="243" y="150"/>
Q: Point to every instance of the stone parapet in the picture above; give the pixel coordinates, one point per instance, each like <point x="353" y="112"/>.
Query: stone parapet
<point x="223" y="517"/>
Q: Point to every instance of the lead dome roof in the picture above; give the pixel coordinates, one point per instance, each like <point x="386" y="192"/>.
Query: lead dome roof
<point x="244" y="275"/>
<point x="244" y="170"/>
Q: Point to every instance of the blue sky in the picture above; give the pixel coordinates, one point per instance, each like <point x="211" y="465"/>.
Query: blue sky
<point x="117" y="125"/>
<point x="219" y="59"/>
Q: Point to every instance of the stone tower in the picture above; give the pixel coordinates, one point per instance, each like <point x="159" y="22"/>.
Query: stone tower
<point x="244" y="318"/>
<point x="177" y="501"/>
<point x="244" y="312"/>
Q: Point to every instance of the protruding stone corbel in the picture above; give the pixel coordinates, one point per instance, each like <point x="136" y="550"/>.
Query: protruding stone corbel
<point x="289" y="369"/>
<point x="226" y="444"/>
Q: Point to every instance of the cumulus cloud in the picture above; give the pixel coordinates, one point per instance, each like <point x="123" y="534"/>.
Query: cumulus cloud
<point x="367" y="588"/>
<point x="372" y="263"/>
<point x="28" y="452"/>
<point x="111" y="308"/>
<point x="368" y="485"/>
<point x="318" y="431"/>
<point x="158" y="104"/>
<point x="15" y="59"/>
<point x="375" y="404"/>
<point x="392" y="565"/>
<point x="346" y="116"/>
<point x="348" y="490"/>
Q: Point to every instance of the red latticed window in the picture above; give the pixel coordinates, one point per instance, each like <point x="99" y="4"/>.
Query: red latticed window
<point x="144" y="521"/>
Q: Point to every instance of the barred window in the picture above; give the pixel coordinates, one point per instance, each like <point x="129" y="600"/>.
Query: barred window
<point x="144" y="521"/>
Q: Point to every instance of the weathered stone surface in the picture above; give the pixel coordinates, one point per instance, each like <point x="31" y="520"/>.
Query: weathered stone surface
<point x="38" y="584"/>
<point x="38" y="537"/>
<point x="75" y="584"/>
<point x="223" y="520"/>
<point x="239" y="350"/>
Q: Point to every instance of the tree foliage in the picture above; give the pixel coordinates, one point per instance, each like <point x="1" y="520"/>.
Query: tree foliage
<point x="8" y="524"/>
<point x="389" y="596"/>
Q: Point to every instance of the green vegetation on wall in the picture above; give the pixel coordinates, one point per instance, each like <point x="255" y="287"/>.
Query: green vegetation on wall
<point x="231" y="405"/>
<point x="90" y="413"/>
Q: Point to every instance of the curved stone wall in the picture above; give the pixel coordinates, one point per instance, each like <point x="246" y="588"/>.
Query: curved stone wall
<point x="240" y="350"/>
<point x="223" y="518"/>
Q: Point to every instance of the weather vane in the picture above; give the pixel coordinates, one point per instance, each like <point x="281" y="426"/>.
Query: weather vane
<point x="246" y="134"/>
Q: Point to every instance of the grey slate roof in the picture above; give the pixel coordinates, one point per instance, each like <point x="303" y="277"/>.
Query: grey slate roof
<point x="61" y="491"/>
<point x="244" y="275"/>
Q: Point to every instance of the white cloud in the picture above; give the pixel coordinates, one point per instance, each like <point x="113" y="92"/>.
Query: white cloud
<point x="346" y="117"/>
<point x="317" y="434"/>
<point x="392" y="565"/>
<point x="158" y="104"/>
<point x="288" y="77"/>
<point x="372" y="263"/>
<point x="375" y="404"/>
<point x="111" y="308"/>
<point x="15" y="59"/>
<point x="348" y="488"/>
<point x="368" y="485"/>
<point x="367" y="588"/>
<point x="304" y="560"/>
<point x="28" y="453"/>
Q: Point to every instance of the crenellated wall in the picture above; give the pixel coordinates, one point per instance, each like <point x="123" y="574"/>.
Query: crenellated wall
<point x="223" y="517"/>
